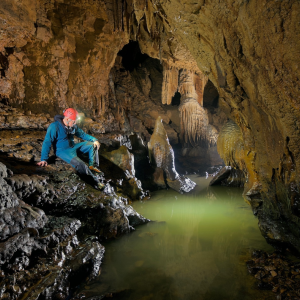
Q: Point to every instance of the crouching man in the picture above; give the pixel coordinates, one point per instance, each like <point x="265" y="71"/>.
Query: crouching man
<point x="60" y="134"/>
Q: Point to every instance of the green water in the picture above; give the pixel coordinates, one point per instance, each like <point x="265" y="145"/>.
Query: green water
<point x="196" y="250"/>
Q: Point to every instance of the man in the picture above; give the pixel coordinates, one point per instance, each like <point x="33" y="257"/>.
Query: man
<point x="60" y="134"/>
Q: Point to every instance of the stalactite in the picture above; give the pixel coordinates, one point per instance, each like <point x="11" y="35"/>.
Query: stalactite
<point x="193" y="117"/>
<point x="112" y="88"/>
<point x="126" y="18"/>
<point x="99" y="105"/>
<point x="153" y="29"/>
<point x="118" y="8"/>
<point x="160" y="50"/>
<point x="134" y="27"/>
<point x="139" y="9"/>
<point x="149" y="15"/>
<point x="187" y="86"/>
<point x="194" y="122"/>
<point x="200" y="80"/>
<point x="170" y="83"/>
<point x="103" y="105"/>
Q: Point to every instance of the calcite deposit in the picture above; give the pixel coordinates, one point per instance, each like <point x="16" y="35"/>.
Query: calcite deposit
<point x="162" y="157"/>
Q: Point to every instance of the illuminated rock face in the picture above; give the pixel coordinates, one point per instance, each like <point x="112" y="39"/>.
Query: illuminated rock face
<point x="162" y="156"/>
<point x="250" y="51"/>
<point x="55" y="55"/>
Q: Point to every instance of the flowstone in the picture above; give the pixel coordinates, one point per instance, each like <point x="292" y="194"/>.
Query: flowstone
<point x="162" y="155"/>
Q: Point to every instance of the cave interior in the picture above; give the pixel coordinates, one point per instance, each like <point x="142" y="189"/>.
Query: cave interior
<point x="170" y="89"/>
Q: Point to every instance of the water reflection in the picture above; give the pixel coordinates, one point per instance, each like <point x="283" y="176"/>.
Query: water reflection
<point x="195" y="250"/>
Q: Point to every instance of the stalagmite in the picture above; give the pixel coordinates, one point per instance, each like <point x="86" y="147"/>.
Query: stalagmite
<point x="170" y="83"/>
<point x="162" y="155"/>
<point x="231" y="145"/>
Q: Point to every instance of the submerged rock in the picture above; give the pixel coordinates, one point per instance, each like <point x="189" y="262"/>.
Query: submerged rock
<point x="275" y="272"/>
<point x="229" y="177"/>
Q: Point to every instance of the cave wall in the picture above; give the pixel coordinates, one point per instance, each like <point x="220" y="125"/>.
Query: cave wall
<point x="250" y="51"/>
<point x="58" y="54"/>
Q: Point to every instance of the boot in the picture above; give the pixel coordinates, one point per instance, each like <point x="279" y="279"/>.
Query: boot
<point x="95" y="169"/>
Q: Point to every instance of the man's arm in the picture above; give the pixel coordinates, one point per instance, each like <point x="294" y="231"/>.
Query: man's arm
<point x="81" y="134"/>
<point x="48" y="141"/>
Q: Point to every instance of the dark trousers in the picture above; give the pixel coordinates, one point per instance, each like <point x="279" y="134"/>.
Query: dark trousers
<point x="70" y="155"/>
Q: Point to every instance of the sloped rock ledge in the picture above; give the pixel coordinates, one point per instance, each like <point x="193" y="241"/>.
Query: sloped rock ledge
<point x="47" y="256"/>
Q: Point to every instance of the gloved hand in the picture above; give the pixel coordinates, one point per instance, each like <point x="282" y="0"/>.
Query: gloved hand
<point x="97" y="145"/>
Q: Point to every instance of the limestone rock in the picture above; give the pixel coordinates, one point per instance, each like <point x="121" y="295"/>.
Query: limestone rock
<point x="126" y="180"/>
<point x="122" y="158"/>
<point x="229" y="177"/>
<point x="162" y="155"/>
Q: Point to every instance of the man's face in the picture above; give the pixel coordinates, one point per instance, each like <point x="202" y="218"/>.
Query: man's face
<point x="72" y="123"/>
<point x="69" y="122"/>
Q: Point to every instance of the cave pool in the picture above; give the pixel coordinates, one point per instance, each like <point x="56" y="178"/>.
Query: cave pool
<point x="196" y="249"/>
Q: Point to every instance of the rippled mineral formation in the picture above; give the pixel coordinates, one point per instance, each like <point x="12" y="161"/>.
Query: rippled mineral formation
<point x="162" y="154"/>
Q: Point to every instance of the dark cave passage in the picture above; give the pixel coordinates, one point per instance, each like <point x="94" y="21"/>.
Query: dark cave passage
<point x="132" y="56"/>
<point x="210" y="96"/>
<point x="176" y="99"/>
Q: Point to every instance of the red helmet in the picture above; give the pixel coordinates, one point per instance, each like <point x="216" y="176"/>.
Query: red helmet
<point x="71" y="113"/>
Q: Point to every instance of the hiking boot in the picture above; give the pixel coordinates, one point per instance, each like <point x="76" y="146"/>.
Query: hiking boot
<point x="100" y="186"/>
<point x="92" y="168"/>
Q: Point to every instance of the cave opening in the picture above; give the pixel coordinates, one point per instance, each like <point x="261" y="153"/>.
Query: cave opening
<point x="176" y="99"/>
<point x="132" y="56"/>
<point x="140" y="93"/>
<point x="210" y="96"/>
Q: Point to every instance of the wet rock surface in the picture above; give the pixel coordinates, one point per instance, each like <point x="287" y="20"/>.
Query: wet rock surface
<point x="52" y="220"/>
<point x="229" y="177"/>
<point x="275" y="272"/>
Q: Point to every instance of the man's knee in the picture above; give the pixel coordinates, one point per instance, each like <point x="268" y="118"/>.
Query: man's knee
<point x="80" y="166"/>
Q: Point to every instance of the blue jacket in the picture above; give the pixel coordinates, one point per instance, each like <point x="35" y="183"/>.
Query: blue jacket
<point x="61" y="137"/>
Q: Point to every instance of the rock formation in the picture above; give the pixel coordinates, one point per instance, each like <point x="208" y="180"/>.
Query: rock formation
<point x="161" y="155"/>
<point x="42" y="252"/>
